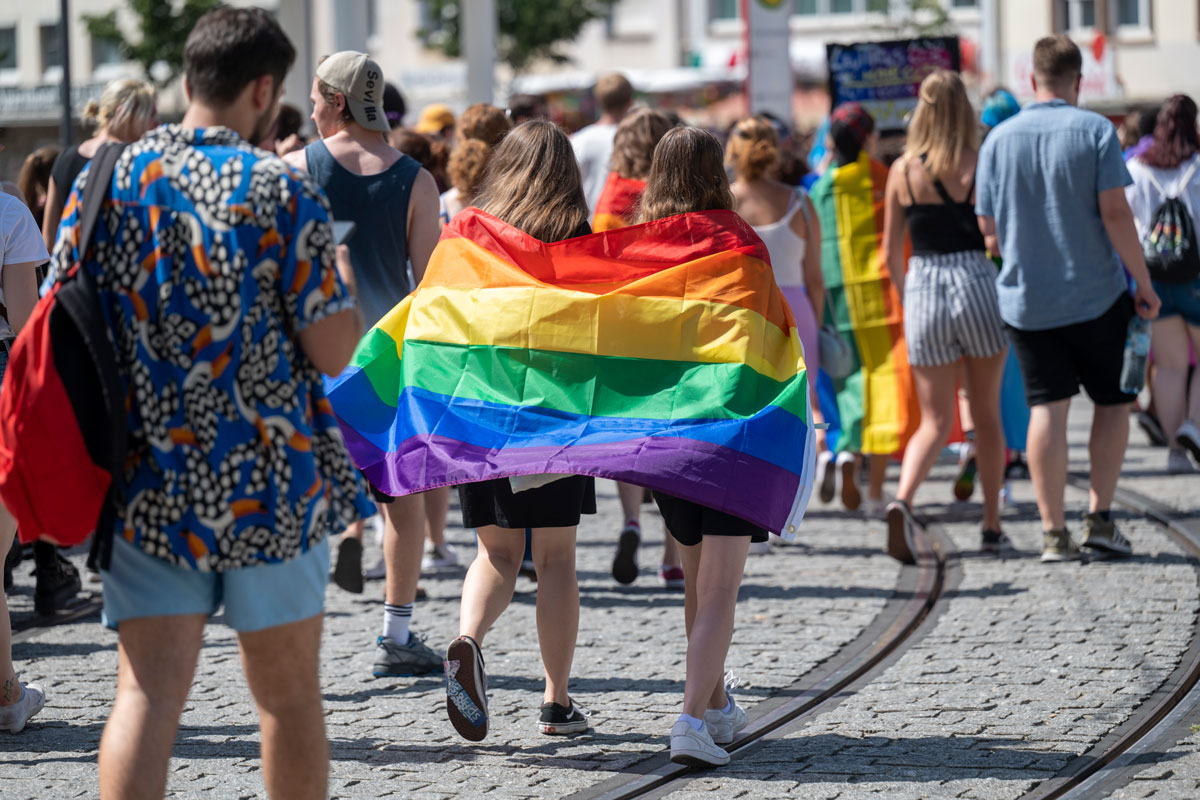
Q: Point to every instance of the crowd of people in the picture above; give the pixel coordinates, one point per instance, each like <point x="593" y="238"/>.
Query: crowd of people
<point x="927" y="295"/>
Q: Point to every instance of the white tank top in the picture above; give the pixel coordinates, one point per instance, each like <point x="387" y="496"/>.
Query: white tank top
<point x="785" y="247"/>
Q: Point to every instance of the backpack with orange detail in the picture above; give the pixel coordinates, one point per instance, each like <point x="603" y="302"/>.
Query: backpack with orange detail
<point x="63" y="429"/>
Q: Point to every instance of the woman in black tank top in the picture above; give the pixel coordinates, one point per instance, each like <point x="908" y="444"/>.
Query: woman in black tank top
<point x="952" y="322"/>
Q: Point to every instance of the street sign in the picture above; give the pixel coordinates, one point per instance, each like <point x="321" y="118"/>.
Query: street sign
<point x="769" y="79"/>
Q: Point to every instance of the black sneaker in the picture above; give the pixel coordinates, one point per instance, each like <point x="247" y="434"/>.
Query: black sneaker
<point x="348" y="573"/>
<point x="625" y="567"/>
<point x="556" y="720"/>
<point x="57" y="584"/>
<point x="466" y="689"/>
<point x="992" y="541"/>
<point x="1152" y="428"/>
<point x="11" y="559"/>
<point x="900" y="533"/>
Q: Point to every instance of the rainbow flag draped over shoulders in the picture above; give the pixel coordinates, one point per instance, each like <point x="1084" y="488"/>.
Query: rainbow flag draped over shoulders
<point x="617" y="203"/>
<point x="661" y="354"/>
<point x="876" y="406"/>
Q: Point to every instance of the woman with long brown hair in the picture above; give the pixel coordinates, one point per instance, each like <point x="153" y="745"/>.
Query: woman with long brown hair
<point x="686" y="175"/>
<point x="951" y="314"/>
<point x="533" y="184"/>
<point x="1170" y="167"/>
<point x="479" y="130"/>
<point x="34" y="180"/>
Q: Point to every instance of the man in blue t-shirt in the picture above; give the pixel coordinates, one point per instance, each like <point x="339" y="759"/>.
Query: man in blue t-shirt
<point x="1051" y="201"/>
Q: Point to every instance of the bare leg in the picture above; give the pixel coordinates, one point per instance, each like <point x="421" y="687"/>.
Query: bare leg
<point x="1194" y="390"/>
<point x="984" y="376"/>
<point x="437" y="506"/>
<point x="491" y="578"/>
<point x="718" y="563"/>
<point x="966" y="414"/>
<point x="282" y="670"/>
<point x="877" y="463"/>
<point x="156" y="659"/>
<point x="670" y="549"/>
<point x="557" y="607"/>
<point x="1106" y="453"/>
<point x="935" y="394"/>
<point x="403" y="540"/>
<point x="1047" y="451"/>
<point x="10" y="687"/>
<point x="1170" y="339"/>
<point x="355" y="531"/>
<point x="631" y="502"/>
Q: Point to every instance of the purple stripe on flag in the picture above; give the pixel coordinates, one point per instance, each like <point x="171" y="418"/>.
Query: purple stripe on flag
<point x="702" y="472"/>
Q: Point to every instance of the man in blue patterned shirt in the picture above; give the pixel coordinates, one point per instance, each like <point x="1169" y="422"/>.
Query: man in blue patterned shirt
<point x="217" y="275"/>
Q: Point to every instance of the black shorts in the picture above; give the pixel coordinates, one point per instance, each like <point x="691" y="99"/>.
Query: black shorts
<point x="690" y="522"/>
<point x="1056" y="361"/>
<point x="555" y="505"/>
<point x="377" y="495"/>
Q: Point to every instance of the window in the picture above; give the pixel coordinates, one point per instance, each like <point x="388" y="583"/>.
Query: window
<point x="841" y="6"/>
<point x="1132" y="13"/>
<point x="723" y="9"/>
<point x="106" y="52"/>
<point x="8" y="48"/>
<point x="812" y="8"/>
<point x="964" y="3"/>
<point x="805" y="7"/>
<point x="51" y="56"/>
<point x="1075" y="15"/>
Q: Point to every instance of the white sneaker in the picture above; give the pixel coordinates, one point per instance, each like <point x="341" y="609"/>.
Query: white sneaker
<point x="722" y="727"/>
<point x="1188" y="436"/>
<point x="874" y="509"/>
<point x="695" y="748"/>
<point x="827" y="476"/>
<point x="33" y="700"/>
<point x="377" y="572"/>
<point x="760" y="548"/>
<point x="1178" y="463"/>
<point x="438" y="557"/>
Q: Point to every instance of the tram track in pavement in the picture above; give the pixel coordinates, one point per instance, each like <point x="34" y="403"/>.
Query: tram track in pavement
<point x="1164" y="718"/>
<point x="904" y="620"/>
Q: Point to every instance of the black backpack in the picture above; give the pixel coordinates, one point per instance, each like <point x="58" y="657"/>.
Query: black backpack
<point x="1170" y="247"/>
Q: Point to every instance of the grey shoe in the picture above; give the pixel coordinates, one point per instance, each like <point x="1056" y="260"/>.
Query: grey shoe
<point x="724" y="727"/>
<point x="13" y="717"/>
<point x="1103" y="536"/>
<point x="1058" y="546"/>
<point x="404" y="660"/>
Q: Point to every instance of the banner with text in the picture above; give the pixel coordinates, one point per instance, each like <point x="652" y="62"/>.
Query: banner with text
<point x="885" y="77"/>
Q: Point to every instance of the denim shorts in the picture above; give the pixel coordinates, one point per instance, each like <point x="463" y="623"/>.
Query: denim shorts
<point x="1180" y="299"/>
<point x="138" y="585"/>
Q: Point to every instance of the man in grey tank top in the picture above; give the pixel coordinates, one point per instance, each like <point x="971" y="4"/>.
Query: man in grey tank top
<point x="393" y="203"/>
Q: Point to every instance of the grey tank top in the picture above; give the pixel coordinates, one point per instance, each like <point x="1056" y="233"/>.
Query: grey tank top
<point x="378" y="206"/>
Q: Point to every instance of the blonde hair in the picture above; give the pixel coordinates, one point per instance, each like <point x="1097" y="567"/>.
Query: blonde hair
<point x="685" y="175"/>
<point x="123" y="103"/>
<point x="635" y="140"/>
<point x="943" y="125"/>
<point x="533" y="183"/>
<point x="753" y="149"/>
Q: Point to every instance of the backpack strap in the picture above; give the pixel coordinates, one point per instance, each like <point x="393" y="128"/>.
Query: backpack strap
<point x="1181" y="187"/>
<point x="99" y="178"/>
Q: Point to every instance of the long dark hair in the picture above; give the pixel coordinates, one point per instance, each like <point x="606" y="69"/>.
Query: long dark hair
<point x="1175" y="136"/>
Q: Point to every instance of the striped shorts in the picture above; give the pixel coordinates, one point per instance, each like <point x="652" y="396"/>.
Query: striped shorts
<point x="950" y="308"/>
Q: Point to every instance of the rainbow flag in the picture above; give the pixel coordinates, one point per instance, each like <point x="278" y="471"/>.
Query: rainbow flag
<point x="661" y="354"/>
<point x="876" y="408"/>
<point x="618" y="200"/>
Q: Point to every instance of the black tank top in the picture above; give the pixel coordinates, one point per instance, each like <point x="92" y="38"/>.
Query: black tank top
<point x="945" y="227"/>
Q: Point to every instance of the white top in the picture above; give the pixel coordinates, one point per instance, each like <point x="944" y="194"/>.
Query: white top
<point x="593" y="150"/>
<point x="20" y="243"/>
<point x="1145" y="198"/>
<point x="450" y="205"/>
<point x="784" y="246"/>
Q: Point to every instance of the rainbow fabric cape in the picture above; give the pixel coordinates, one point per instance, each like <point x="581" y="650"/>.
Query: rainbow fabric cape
<point x="661" y="354"/>
<point x="876" y="406"/>
<point x="617" y="202"/>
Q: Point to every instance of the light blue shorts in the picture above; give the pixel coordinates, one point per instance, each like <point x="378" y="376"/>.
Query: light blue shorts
<point x="138" y="585"/>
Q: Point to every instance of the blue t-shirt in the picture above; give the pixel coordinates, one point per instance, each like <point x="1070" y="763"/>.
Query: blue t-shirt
<point x="1039" y="176"/>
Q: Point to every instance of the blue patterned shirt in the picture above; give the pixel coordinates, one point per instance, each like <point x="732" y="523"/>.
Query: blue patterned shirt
<point x="212" y="255"/>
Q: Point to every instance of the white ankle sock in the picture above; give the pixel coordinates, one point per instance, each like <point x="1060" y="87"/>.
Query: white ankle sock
<point x="728" y="704"/>
<point x="396" y="620"/>
<point x="697" y="724"/>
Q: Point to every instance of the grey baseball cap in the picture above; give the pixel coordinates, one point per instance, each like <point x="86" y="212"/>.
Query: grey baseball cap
<point x="358" y="77"/>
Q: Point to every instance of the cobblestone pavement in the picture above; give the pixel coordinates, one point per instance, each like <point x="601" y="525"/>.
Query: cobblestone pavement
<point x="1026" y="667"/>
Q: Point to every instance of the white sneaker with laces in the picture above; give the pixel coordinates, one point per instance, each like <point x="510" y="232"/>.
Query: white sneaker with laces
<point x="33" y="699"/>
<point x="724" y="727"/>
<point x="377" y="572"/>
<point x="760" y="548"/>
<point x="1188" y="436"/>
<point x="437" y="557"/>
<point x="695" y="748"/>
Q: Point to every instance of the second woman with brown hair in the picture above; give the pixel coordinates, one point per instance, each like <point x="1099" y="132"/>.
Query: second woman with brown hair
<point x="533" y="184"/>
<point x="688" y="175"/>
<point x="950" y="308"/>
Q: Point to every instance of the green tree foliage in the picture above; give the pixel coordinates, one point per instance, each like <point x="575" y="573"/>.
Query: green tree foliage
<point x="163" y="27"/>
<point x="528" y="30"/>
<point x="917" y="18"/>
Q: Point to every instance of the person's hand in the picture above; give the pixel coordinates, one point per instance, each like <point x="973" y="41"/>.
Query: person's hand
<point x="346" y="269"/>
<point x="289" y="145"/>
<point x="1146" y="302"/>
